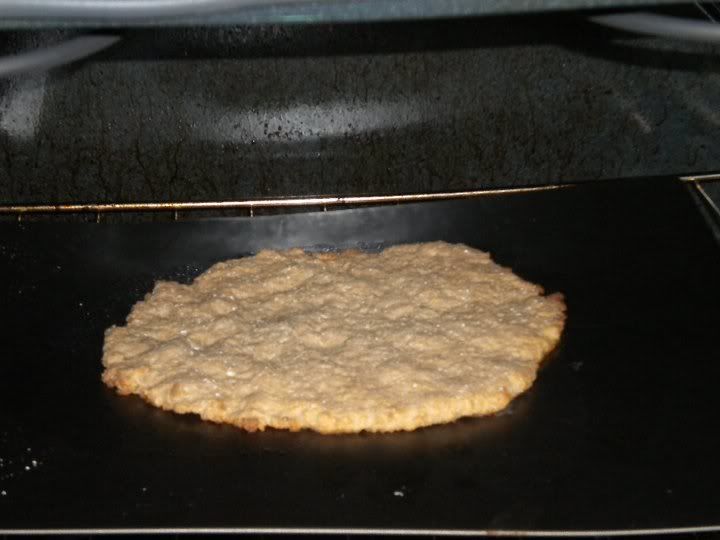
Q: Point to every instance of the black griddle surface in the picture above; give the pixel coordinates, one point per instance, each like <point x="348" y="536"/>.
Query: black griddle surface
<point x="620" y="430"/>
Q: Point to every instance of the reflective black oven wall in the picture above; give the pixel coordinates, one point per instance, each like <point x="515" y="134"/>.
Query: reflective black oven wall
<point x="220" y="113"/>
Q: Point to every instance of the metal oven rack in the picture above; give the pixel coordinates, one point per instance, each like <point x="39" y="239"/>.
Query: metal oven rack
<point x="251" y="206"/>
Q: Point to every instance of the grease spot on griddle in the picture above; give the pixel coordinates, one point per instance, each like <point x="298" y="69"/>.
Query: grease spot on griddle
<point x="17" y="460"/>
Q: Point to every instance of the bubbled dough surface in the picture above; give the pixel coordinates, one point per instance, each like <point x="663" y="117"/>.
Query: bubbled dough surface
<point x="416" y="335"/>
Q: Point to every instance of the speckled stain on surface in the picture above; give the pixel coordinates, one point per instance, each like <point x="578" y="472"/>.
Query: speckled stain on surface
<point x="18" y="460"/>
<point x="204" y="114"/>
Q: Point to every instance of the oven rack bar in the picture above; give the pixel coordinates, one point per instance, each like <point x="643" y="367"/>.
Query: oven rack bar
<point x="255" y="204"/>
<point x="251" y="205"/>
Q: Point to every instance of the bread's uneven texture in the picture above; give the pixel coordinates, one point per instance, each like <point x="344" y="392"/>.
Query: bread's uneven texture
<point x="343" y="342"/>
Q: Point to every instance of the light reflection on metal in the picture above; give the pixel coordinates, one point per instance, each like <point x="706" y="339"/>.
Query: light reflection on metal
<point x="700" y="177"/>
<point x="710" y="202"/>
<point x="254" y="204"/>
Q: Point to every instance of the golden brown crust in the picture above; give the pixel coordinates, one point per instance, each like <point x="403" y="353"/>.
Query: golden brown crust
<point x="338" y="342"/>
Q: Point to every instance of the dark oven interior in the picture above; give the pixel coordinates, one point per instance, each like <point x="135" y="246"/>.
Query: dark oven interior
<point x="574" y="140"/>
